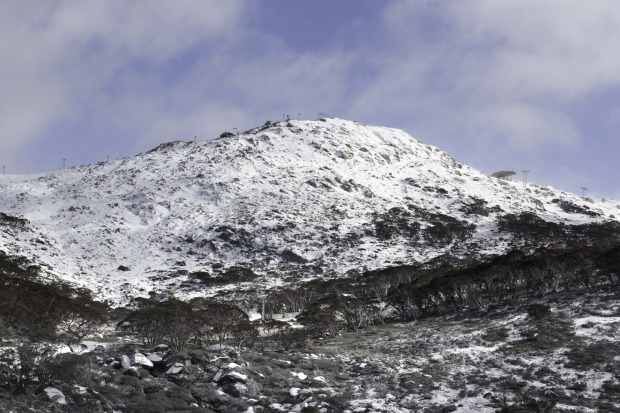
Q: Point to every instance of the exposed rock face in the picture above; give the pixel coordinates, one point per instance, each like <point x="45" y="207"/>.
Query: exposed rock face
<point x="176" y="368"/>
<point x="278" y="204"/>
<point x="142" y="360"/>
<point x="55" y="395"/>
<point x="125" y="362"/>
<point x="235" y="382"/>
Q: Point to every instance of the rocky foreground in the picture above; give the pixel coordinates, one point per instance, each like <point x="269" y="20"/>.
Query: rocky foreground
<point x="560" y="354"/>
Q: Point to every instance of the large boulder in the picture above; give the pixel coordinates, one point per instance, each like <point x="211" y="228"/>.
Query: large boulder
<point x="55" y="395"/>
<point x="142" y="360"/>
<point x="176" y="368"/>
<point x="232" y="379"/>
<point x="132" y="371"/>
<point x="154" y="358"/>
<point x="125" y="362"/>
<point x="319" y="381"/>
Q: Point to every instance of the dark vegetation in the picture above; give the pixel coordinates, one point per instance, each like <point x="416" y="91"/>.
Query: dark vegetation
<point x="442" y="229"/>
<point x="525" y="357"/>
<point x="574" y="208"/>
<point x="37" y="311"/>
<point x="409" y="293"/>
<point x="197" y="337"/>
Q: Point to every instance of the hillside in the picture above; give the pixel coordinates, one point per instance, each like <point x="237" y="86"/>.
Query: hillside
<point x="276" y="205"/>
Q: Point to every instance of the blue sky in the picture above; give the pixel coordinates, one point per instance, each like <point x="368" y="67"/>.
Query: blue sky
<point x="498" y="84"/>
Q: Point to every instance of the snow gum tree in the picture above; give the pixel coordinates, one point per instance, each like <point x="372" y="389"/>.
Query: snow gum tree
<point x="79" y="319"/>
<point x="171" y="322"/>
<point x="220" y="323"/>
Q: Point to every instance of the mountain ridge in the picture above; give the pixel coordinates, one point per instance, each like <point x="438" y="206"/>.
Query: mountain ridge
<point x="279" y="204"/>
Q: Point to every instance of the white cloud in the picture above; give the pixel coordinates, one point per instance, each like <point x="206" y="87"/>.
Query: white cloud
<point x="293" y="81"/>
<point x="493" y="68"/>
<point x="527" y="124"/>
<point x="153" y="70"/>
<point x="462" y="75"/>
<point x="62" y="58"/>
<point x="206" y="123"/>
<point x="559" y="48"/>
<point x="154" y="29"/>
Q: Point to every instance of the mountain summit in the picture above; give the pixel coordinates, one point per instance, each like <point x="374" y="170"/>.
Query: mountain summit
<point x="283" y="203"/>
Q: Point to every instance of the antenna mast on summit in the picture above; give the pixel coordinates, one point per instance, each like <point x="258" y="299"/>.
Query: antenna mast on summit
<point x="525" y="172"/>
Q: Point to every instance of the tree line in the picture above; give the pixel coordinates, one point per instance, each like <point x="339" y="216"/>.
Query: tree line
<point x="38" y="317"/>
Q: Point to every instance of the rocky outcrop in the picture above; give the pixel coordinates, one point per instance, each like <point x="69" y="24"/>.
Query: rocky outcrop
<point x="234" y="380"/>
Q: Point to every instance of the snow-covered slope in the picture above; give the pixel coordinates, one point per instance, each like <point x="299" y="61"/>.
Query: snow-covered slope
<point x="277" y="204"/>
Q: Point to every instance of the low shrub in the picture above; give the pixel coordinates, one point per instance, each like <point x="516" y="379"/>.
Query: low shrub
<point x="589" y="357"/>
<point x="538" y="311"/>
<point x="497" y="334"/>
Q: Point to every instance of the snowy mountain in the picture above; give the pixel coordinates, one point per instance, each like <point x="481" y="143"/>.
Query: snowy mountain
<point x="278" y="204"/>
